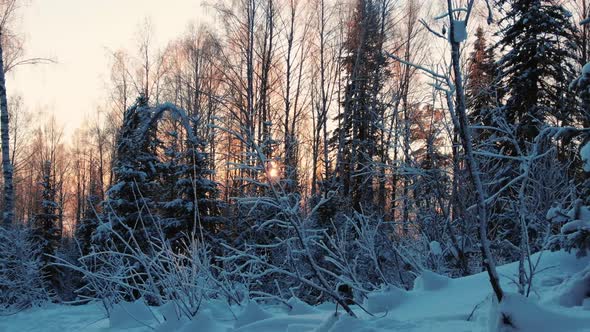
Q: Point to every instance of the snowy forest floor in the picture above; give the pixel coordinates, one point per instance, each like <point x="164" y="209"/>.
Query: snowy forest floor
<point x="557" y="302"/>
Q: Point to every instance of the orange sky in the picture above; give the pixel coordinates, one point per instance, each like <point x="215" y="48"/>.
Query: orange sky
<point x="79" y="34"/>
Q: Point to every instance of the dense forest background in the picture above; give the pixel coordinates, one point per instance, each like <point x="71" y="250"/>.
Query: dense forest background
<point x="297" y="145"/>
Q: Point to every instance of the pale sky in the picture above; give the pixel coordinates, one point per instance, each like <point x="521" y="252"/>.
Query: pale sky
<point x="79" y="34"/>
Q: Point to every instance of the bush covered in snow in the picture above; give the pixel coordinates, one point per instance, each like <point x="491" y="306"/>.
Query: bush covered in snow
<point x="574" y="226"/>
<point x="21" y="282"/>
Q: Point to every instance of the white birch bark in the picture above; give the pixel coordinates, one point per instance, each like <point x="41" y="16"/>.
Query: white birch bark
<point x="7" y="170"/>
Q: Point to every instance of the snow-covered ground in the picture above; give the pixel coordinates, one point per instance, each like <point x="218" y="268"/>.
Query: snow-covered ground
<point x="558" y="302"/>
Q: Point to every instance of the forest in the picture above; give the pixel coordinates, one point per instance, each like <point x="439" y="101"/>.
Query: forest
<point x="293" y="153"/>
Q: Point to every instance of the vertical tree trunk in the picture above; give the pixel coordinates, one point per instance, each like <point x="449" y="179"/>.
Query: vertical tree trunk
<point x="8" y="214"/>
<point x="289" y="158"/>
<point x="584" y="39"/>
<point x="472" y="166"/>
<point x="406" y="128"/>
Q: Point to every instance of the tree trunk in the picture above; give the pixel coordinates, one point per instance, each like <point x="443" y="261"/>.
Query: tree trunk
<point x="8" y="214"/>
<point x="472" y="166"/>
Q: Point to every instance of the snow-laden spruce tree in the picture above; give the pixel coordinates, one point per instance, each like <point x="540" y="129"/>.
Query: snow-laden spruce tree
<point x="582" y="86"/>
<point x="46" y="233"/>
<point x="359" y="130"/>
<point x="90" y="216"/>
<point x="574" y="221"/>
<point x="129" y="205"/>
<point x="129" y="220"/>
<point x="480" y="91"/>
<point x="161" y="199"/>
<point x="575" y="226"/>
<point x="189" y="200"/>
<point x="537" y="38"/>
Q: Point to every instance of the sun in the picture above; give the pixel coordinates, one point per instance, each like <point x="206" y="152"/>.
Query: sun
<point x="273" y="170"/>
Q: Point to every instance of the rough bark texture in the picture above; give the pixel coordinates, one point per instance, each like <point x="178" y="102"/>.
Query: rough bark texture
<point x="8" y="213"/>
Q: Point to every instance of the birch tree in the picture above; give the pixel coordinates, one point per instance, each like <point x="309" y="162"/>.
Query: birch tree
<point x="8" y="7"/>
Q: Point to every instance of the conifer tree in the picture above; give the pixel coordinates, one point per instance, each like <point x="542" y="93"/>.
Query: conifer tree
<point x="537" y="65"/>
<point x="89" y="222"/>
<point x="538" y="39"/>
<point x="46" y="232"/>
<point x="357" y="134"/>
<point x="479" y="89"/>
<point x="190" y="201"/>
<point x="129" y="206"/>
<point x="162" y="180"/>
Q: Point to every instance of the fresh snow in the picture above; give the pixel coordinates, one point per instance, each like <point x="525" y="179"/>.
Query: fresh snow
<point x="131" y="314"/>
<point x="574" y="291"/>
<point x="557" y="303"/>
<point x="435" y="248"/>
<point x="385" y="300"/>
<point x="299" y="307"/>
<point x="430" y="281"/>
<point x="585" y="151"/>
<point x="576" y="225"/>
<point x="525" y="315"/>
<point x="252" y="313"/>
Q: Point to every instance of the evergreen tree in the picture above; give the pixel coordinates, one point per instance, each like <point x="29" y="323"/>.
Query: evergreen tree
<point x="538" y="39"/>
<point x="575" y="233"/>
<point x="357" y="134"/>
<point x="582" y="86"/>
<point x="479" y="90"/>
<point x="46" y="232"/>
<point x="189" y="199"/>
<point x="89" y="222"/>
<point x="537" y="64"/>
<point x="162" y="180"/>
<point x="129" y="208"/>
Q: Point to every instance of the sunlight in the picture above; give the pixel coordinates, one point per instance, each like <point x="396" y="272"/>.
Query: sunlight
<point x="273" y="170"/>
